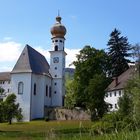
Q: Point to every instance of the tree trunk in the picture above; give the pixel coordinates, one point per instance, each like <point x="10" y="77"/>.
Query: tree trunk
<point x="10" y="121"/>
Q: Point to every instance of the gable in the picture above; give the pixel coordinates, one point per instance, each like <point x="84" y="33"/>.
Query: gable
<point x="31" y="61"/>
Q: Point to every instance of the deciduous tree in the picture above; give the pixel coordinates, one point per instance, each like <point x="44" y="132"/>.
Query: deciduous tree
<point x="90" y="64"/>
<point x="12" y="109"/>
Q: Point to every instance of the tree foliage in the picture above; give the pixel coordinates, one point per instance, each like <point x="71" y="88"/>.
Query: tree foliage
<point x="91" y="64"/>
<point x="136" y="54"/>
<point x="129" y="103"/>
<point x="70" y="96"/>
<point x="10" y="109"/>
<point x="1" y="90"/>
<point x="96" y="93"/>
<point x="119" y="51"/>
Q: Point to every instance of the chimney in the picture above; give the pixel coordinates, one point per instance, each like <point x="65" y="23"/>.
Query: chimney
<point x="116" y="81"/>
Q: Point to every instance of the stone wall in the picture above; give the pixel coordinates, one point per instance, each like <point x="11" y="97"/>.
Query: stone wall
<point x="66" y="114"/>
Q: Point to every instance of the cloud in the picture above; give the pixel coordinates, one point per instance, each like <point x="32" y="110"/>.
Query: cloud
<point x="73" y="17"/>
<point x="9" y="51"/>
<point x="7" y="38"/>
<point x="71" y="56"/>
<point x="43" y="52"/>
<point x="5" y="68"/>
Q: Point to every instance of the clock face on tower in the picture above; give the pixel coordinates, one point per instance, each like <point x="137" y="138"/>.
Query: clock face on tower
<point x="55" y="59"/>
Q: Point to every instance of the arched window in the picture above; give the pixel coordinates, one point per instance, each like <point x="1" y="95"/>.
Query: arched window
<point x="56" y="48"/>
<point x="50" y="92"/>
<point x="35" y="89"/>
<point x="46" y="90"/>
<point x="20" y="87"/>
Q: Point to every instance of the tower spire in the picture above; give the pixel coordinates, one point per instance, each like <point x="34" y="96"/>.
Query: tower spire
<point x="58" y="13"/>
<point x="58" y="18"/>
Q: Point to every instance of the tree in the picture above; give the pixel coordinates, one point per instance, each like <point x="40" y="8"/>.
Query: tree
<point x="70" y="96"/>
<point x="11" y="108"/>
<point x="119" y="51"/>
<point x="125" y="106"/>
<point x="1" y="90"/>
<point x="90" y="63"/>
<point x="2" y="93"/>
<point x="1" y="104"/>
<point x="136" y="54"/>
<point x="96" y="93"/>
<point x="129" y="103"/>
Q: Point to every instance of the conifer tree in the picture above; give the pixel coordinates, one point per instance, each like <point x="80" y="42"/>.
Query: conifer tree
<point x="119" y="51"/>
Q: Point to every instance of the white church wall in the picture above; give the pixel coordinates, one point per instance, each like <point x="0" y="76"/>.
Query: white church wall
<point x="47" y="96"/>
<point x="23" y="99"/>
<point x="57" y="92"/>
<point x="59" y="42"/>
<point x="60" y="66"/>
<point x="37" y="101"/>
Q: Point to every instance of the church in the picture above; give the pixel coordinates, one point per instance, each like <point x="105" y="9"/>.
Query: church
<point x="35" y="83"/>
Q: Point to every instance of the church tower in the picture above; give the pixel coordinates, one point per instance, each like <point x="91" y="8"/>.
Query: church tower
<point x="57" y="63"/>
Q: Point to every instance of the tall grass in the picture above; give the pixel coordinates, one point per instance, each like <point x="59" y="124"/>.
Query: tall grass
<point x="59" y="130"/>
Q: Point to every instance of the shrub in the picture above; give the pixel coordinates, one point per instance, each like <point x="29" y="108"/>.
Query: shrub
<point x="101" y="128"/>
<point x="46" y="119"/>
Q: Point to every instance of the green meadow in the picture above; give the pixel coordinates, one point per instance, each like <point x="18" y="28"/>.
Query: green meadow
<point x="59" y="130"/>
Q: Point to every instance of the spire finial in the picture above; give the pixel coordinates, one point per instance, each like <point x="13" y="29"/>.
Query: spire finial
<point x="58" y="18"/>
<point x="58" y="13"/>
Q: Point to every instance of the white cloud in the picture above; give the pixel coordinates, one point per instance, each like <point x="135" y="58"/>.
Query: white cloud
<point x="71" y="56"/>
<point x="9" y="51"/>
<point x="5" y="68"/>
<point x="73" y="17"/>
<point x="43" y="52"/>
<point x="8" y="38"/>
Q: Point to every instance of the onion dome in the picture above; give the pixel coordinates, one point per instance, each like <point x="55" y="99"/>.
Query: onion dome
<point x="58" y="30"/>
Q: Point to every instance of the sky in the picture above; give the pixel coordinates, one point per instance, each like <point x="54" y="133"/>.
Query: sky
<point x="88" y="22"/>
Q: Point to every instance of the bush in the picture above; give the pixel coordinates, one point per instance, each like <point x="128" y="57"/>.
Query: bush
<point x="119" y="122"/>
<point x="46" y="119"/>
<point x="101" y="128"/>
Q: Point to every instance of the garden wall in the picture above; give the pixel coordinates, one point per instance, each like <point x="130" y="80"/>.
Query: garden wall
<point x="66" y="114"/>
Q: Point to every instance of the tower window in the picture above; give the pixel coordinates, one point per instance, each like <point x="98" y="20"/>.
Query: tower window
<point x="46" y="90"/>
<point x="55" y="92"/>
<point x="60" y="40"/>
<point x="50" y="92"/>
<point x="35" y="89"/>
<point x="56" y="40"/>
<point x="56" y="48"/>
<point x="55" y="83"/>
<point x="55" y="68"/>
<point x="20" y="88"/>
<point x="55" y="76"/>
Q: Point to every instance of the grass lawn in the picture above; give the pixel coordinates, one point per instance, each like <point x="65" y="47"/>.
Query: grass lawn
<point x="58" y="130"/>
